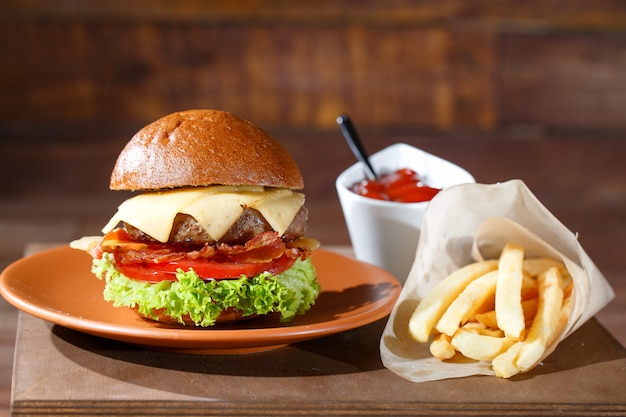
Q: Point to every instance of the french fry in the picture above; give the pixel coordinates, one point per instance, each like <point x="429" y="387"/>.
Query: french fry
<point x="509" y="313"/>
<point x="529" y="287"/>
<point x="431" y="307"/>
<point x="467" y="302"/>
<point x="478" y="346"/>
<point x="530" y="308"/>
<point x="488" y="318"/>
<point x="535" y="266"/>
<point x="504" y="364"/>
<point x="523" y="355"/>
<point x="481" y="329"/>
<point x="567" y="289"/>
<point x="441" y="348"/>
<point x="566" y="311"/>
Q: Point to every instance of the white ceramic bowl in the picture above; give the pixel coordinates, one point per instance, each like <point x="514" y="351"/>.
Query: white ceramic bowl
<point x="385" y="233"/>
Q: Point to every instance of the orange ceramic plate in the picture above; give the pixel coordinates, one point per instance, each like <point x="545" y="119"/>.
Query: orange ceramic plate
<point x="56" y="285"/>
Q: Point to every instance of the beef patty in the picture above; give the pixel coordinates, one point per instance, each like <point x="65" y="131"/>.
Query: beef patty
<point x="187" y="231"/>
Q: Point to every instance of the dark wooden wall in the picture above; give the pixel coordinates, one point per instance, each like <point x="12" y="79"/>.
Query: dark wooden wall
<point x="522" y="67"/>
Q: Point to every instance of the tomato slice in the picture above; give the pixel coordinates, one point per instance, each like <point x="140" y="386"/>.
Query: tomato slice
<point x="204" y="269"/>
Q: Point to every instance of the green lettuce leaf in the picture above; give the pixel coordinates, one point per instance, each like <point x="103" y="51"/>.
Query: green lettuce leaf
<point x="289" y="293"/>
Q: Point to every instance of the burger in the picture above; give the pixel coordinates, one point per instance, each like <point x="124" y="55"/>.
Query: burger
<point x="215" y="231"/>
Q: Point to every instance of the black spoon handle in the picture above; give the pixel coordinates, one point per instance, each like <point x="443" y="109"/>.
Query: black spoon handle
<point x="349" y="133"/>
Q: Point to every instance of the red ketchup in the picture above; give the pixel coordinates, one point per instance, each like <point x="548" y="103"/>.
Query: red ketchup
<point x="403" y="185"/>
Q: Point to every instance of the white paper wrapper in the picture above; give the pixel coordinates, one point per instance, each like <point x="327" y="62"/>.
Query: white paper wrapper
<point x="471" y="222"/>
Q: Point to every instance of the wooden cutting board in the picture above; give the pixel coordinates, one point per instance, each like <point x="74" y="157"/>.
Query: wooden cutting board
<point x="60" y="371"/>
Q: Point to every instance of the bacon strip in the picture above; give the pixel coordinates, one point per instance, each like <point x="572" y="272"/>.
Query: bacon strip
<point x="264" y="247"/>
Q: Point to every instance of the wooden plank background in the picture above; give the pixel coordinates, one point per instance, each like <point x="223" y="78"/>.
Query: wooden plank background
<point x="436" y="66"/>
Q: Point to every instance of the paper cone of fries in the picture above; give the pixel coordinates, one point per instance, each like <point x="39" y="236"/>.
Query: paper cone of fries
<point x="466" y="225"/>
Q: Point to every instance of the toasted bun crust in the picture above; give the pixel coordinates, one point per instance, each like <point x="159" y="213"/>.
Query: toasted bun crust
<point x="198" y="148"/>
<point x="226" y="317"/>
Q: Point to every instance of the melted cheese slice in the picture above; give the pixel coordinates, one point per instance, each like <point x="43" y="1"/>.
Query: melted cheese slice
<point x="215" y="208"/>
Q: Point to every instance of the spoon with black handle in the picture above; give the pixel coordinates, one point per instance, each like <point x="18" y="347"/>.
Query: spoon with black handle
<point x="349" y="133"/>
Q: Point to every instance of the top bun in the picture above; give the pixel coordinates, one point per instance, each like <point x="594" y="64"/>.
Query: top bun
<point x="198" y="148"/>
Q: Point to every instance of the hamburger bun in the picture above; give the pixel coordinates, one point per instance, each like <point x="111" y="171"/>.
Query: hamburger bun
<point x="218" y="147"/>
<point x="228" y="316"/>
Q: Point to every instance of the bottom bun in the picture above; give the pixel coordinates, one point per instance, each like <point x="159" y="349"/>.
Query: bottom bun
<point x="227" y="316"/>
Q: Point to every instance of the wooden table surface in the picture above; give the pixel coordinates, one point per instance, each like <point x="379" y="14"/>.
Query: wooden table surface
<point x="59" y="371"/>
